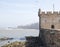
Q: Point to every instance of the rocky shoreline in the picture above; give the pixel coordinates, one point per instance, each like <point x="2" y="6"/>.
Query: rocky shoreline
<point x="15" y="44"/>
<point x="6" y="39"/>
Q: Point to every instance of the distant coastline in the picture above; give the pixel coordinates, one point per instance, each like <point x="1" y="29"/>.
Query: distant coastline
<point x="31" y="26"/>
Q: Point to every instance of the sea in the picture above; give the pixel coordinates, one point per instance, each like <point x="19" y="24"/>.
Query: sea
<point x="16" y="34"/>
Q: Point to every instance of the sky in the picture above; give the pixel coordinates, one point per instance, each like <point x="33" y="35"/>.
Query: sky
<point x="47" y="5"/>
<point x="23" y="12"/>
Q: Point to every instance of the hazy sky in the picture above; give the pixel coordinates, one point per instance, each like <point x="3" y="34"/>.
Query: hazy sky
<point x="47" y="5"/>
<point x="23" y="12"/>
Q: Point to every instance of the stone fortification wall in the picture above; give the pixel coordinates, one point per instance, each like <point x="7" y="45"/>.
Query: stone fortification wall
<point x="50" y="38"/>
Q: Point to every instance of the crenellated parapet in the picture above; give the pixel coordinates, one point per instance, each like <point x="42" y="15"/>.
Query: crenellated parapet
<point x="48" y="12"/>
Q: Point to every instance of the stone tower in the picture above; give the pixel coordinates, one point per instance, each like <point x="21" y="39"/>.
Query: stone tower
<point x="49" y="20"/>
<point x="49" y="25"/>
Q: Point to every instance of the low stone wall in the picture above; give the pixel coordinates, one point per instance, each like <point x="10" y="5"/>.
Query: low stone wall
<point x="32" y="41"/>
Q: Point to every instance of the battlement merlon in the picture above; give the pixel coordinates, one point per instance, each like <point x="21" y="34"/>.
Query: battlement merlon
<point x="48" y="13"/>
